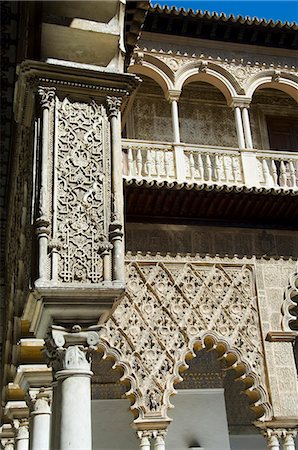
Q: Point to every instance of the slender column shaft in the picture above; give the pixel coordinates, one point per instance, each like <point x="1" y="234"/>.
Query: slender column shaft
<point x="247" y="129"/>
<point x="175" y="121"/>
<point x="160" y="441"/>
<point x="116" y="228"/>
<point x="288" y="439"/>
<point x="272" y="436"/>
<point x="68" y="352"/>
<point x="56" y="416"/>
<point x="41" y="421"/>
<point x="47" y="95"/>
<point x="239" y="127"/>
<point x="144" y="442"/>
<point x="75" y="430"/>
<point x="22" y="437"/>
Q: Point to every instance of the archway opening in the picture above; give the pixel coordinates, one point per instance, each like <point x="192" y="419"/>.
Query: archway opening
<point x="111" y="415"/>
<point x="273" y="116"/>
<point x="204" y="116"/>
<point x="211" y="410"/>
<point x="150" y="116"/>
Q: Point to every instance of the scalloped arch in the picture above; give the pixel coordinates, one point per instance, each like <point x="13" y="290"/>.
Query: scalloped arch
<point x="150" y="339"/>
<point x="290" y="302"/>
<point x="282" y="81"/>
<point x="212" y="74"/>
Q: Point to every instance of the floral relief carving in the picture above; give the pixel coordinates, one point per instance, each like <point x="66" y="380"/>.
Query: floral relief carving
<point x="83" y="169"/>
<point x="169" y="309"/>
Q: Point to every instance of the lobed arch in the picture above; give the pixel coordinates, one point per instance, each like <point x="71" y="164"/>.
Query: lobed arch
<point x="158" y="74"/>
<point x="151" y="341"/>
<point x="212" y="74"/>
<point x="290" y="303"/>
<point x="273" y="79"/>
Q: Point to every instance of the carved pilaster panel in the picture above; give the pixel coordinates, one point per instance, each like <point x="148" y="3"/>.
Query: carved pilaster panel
<point x="82" y="189"/>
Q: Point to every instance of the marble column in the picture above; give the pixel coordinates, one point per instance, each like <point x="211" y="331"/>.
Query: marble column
<point x="247" y="128"/>
<point x="175" y="121"/>
<point x="272" y="437"/>
<point x="239" y="127"/>
<point x="288" y="439"/>
<point x="22" y="435"/>
<point x="47" y="95"/>
<point x="40" y="421"/>
<point x="173" y="98"/>
<point x="144" y="437"/>
<point x="69" y="353"/>
<point x="160" y="440"/>
<point x="116" y="227"/>
<point x="8" y="445"/>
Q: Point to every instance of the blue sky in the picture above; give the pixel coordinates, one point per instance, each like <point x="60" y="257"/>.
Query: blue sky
<point x="268" y="9"/>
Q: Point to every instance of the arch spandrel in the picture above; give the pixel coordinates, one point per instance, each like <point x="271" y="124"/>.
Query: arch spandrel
<point x="169" y="310"/>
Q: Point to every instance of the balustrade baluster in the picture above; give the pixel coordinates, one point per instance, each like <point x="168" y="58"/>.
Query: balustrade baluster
<point x="200" y="167"/>
<point x="192" y="166"/>
<point x="224" y="169"/>
<point x="130" y="162"/>
<point x="208" y="168"/>
<point x="293" y="176"/>
<point x="216" y="168"/>
<point x="139" y="162"/>
<point x="158" y="163"/>
<point x="147" y="162"/>
<point x="234" y="168"/>
<point x="283" y="174"/>
<point x="266" y="173"/>
<point x="274" y="172"/>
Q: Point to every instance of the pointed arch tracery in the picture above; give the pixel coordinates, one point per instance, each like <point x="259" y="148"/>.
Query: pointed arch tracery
<point x="170" y="311"/>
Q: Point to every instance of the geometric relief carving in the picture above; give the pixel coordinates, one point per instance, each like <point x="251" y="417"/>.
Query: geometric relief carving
<point x="82" y="172"/>
<point x="172" y="308"/>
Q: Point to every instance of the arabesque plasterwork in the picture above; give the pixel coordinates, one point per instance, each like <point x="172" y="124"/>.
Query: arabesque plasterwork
<point x="169" y="309"/>
<point x="83" y="197"/>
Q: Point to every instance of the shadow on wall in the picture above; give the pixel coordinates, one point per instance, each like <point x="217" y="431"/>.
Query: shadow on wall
<point x="211" y="241"/>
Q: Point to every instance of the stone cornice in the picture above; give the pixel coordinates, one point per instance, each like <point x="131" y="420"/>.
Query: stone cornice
<point x="32" y="75"/>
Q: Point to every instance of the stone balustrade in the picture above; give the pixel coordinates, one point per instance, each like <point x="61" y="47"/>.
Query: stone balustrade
<point x="186" y="163"/>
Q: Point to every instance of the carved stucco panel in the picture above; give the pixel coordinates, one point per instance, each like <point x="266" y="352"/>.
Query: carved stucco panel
<point x="168" y="308"/>
<point x="83" y="197"/>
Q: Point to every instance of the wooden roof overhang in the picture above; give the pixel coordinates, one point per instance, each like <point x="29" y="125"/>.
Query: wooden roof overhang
<point x="220" y="27"/>
<point x="183" y="203"/>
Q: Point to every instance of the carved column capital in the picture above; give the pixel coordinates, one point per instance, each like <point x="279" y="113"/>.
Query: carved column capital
<point x="288" y="437"/>
<point x="272" y="435"/>
<point x="113" y="106"/>
<point x="47" y="95"/>
<point x="70" y="349"/>
<point x="173" y="95"/>
<point x="39" y="401"/>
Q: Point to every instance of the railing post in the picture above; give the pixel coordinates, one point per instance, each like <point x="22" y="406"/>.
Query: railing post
<point x="250" y="168"/>
<point x="180" y="163"/>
